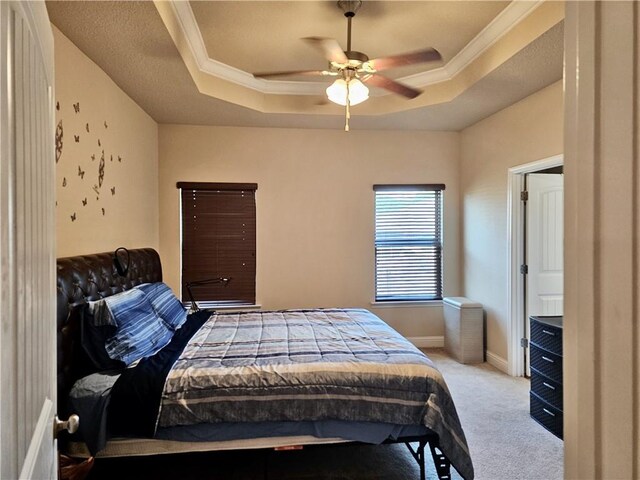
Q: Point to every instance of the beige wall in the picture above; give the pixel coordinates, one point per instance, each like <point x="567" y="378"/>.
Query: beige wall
<point x="527" y="131"/>
<point x="314" y="207"/>
<point x="130" y="215"/>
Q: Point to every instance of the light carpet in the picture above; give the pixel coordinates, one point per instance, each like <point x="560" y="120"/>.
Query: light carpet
<point x="505" y="442"/>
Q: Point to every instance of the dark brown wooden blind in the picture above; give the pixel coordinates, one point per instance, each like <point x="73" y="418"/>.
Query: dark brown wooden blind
<point x="219" y="240"/>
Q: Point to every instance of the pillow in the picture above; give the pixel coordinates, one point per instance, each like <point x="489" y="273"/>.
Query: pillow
<point x="96" y="326"/>
<point x="165" y="303"/>
<point x="140" y="332"/>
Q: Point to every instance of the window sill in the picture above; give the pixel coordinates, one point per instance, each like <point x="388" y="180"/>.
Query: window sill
<point x="208" y="306"/>
<point x="421" y="303"/>
<point x="254" y="306"/>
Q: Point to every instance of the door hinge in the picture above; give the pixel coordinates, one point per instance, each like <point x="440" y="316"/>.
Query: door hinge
<point x="524" y="195"/>
<point x="524" y="343"/>
<point x="524" y="269"/>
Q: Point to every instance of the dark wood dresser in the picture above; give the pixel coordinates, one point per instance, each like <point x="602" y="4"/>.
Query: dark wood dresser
<point x="546" y="372"/>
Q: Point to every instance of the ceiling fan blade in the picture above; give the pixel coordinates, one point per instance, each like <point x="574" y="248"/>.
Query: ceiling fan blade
<point x="427" y="55"/>
<point x="393" y="86"/>
<point x="307" y="73"/>
<point x="329" y="47"/>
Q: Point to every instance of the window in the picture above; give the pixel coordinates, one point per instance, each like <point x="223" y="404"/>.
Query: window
<point x="408" y="242"/>
<point x="219" y="240"/>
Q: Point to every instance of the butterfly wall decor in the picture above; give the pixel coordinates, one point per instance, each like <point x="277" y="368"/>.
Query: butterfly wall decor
<point x="101" y="171"/>
<point x="59" y="135"/>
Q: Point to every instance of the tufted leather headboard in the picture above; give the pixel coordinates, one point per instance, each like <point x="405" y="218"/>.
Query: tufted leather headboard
<point x="85" y="278"/>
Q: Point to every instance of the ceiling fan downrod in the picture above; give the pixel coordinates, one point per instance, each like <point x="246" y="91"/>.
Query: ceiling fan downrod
<point x="350" y="8"/>
<point x="347" y="113"/>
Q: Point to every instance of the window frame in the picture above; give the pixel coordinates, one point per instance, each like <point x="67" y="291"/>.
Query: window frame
<point x="388" y="300"/>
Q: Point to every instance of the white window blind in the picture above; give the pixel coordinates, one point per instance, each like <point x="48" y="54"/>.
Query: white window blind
<point x="408" y="242"/>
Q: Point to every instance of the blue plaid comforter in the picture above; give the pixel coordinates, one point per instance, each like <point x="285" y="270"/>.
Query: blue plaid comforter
<point x="307" y="365"/>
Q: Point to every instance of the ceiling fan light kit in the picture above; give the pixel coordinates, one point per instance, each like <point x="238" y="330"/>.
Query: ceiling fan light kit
<point x="354" y="69"/>
<point x="353" y="91"/>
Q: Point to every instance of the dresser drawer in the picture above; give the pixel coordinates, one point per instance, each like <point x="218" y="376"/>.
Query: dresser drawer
<point x="546" y="389"/>
<point x="547" y="363"/>
<point x="546" y="415"/>
<point x="546" y="336"/>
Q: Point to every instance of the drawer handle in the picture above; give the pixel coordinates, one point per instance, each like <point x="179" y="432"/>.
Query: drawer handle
<point x="548" y="386"/>
<point x="549" y="333"/>
<point x="549" y="412"/>
<point x="548" y="359"/>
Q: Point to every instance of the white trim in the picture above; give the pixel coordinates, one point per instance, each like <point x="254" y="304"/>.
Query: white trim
<point x="549" y="162"/>
<point x="515" y="256"/>
<point x="422" y="304"/>
<point x="506" y="20"/>
<point x="189" y="26"/>
<point x="498" y="362"/>
<point x="427" y="342"/>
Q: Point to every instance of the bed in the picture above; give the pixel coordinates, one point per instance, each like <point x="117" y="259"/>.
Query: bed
<point x="247" y="380"/>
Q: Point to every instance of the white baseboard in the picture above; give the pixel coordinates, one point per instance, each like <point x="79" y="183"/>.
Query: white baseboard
<point x="498" y="362"/>
<point x="427" y="342"/>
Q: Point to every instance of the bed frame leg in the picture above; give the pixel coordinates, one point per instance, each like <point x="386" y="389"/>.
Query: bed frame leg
<point x="443" y="466"/>
<point x="419" y="456"/>
<point x="441" y="462"/>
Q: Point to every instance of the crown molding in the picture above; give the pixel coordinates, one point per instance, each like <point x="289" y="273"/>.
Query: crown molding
<point x="513" y="14"/>
<point x="189" y="26"/>
<point x="504" y="22"/>
<point x="187" y="22"/>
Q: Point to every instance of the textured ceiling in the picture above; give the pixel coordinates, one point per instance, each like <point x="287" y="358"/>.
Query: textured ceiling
<point x="130" y="43"/>
<point x="265" y="36"/>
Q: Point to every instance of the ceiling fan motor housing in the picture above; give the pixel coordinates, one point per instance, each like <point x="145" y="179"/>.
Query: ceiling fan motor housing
<point x="357" y="58"/>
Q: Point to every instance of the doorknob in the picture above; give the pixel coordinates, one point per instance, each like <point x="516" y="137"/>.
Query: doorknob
<point x="70" y="425"/>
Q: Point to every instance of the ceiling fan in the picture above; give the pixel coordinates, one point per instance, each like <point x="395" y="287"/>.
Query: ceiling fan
<point x="353" y="69"/>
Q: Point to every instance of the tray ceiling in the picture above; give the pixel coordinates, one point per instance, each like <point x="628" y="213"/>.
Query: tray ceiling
<point x="263" y="36"/>
<point x="192" y="62"/>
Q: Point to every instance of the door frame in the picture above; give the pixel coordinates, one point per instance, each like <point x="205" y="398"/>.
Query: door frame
<point x="515" y="257"/>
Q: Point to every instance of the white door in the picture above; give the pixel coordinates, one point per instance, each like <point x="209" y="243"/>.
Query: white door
<point x="27" y="243"/>
<point x="544" y="252"/>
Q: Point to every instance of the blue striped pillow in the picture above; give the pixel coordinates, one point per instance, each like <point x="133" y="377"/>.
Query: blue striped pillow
<point x="141" y="333"/>
<point x="164" y="302"/>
